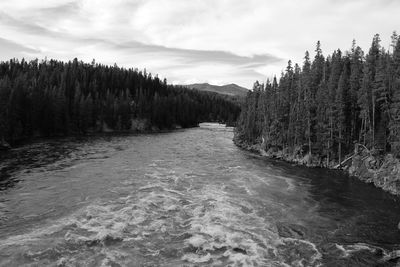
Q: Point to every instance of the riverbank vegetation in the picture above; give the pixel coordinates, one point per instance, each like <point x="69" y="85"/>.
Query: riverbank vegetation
<point x="51" y="97"/>
<point x="322" y="108"/>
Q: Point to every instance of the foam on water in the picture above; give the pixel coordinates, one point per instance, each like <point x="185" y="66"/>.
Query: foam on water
<point x="164" y="221"/>
<point x="164" y="212"/>
<point x="308" y="253"/>
<point x="347" y="250"/>
<point x="219" y="227"/>
<point x="204" y="226"/>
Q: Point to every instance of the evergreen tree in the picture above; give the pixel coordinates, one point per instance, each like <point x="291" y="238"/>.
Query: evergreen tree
<point x="394" y="124"/>
<point x="329" y="104"/>
<point x="50" y="98"/>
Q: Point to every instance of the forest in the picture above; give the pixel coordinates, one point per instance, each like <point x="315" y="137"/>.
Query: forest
<point x="54" y="98"/>
<point x="329" y="104"/>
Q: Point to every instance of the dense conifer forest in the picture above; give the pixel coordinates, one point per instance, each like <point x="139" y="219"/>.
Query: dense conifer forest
<point x="329" y="103"/>
<point x="51" y="98"/>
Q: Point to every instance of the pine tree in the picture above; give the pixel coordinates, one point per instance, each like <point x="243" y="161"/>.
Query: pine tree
<point x="356" y="76"/>
<point x="382" y="95"/>
<point x="367" y="99"/>
<point x="341" y="107"/>
<point x="394" y="124"/>
<point x="53" y="98"/>
<point x="308" y="99"/>
<point x="330" y="104"/>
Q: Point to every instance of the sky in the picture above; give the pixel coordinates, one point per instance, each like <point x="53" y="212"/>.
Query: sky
<point x="192" y="41"/>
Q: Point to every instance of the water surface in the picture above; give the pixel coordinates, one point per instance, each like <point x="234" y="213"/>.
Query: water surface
<point x="185" y="198"/>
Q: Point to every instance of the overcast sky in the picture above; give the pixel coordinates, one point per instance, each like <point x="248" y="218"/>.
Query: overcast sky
<point x="187" y="41"/>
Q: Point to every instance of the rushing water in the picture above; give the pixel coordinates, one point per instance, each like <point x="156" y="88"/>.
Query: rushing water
<point x="185" y="198"/>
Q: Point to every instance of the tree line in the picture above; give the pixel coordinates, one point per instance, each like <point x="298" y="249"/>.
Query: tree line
<point x="329" y="103"/>
<point x="51" y="97"/>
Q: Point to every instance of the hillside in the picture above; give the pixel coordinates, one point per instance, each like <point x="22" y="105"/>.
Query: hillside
<point x="53" y="98"/>
<point x="228" y="89"/>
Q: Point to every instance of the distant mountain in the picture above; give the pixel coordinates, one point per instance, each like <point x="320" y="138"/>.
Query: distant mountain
<point x="228" y="89"/>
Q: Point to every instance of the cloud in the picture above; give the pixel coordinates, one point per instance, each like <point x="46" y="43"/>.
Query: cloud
<point x="10" y="49"/>
<point x="203" y="40"/>
<point x="64" y="9"/>
<point x="192" y="56"/>
<point x="23" y="25"/>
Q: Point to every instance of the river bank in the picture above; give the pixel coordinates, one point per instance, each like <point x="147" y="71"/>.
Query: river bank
<point x="381" y="170"/>
<point x="137" y="127"/>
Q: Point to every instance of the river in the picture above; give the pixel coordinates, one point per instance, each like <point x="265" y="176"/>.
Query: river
<point x="184" y="198"/>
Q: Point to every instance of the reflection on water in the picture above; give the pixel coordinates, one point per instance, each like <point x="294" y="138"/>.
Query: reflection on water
<point x="187" y="198"/>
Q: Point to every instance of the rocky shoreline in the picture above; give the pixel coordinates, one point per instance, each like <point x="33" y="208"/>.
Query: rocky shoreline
<point x="381" y="170"/>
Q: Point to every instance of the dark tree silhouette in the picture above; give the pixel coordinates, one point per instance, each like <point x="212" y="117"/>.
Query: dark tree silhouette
<point x="329" y="103"/>
<point x="51" y="98"/>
